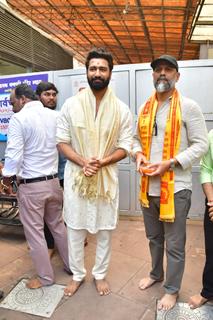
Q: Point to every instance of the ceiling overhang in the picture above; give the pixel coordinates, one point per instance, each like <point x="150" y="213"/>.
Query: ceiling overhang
<point x="134" y="31"/>
<point x="202" y="24"/>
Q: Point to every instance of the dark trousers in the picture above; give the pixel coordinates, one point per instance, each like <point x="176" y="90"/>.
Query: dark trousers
<point x="173" y="235"/>
<point x="48" y="237"/>
<point x="207" y="291"/>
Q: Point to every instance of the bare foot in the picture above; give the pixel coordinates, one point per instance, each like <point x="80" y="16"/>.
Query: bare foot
<point x="102" y="287"/>
<point x="196" y="301"/>
<point x="72" y="287"/>
<point x="51" y="252"/>
<point x="34" y="283"/>
<point x="145" y="283"/>
<point x="168" y="301"/>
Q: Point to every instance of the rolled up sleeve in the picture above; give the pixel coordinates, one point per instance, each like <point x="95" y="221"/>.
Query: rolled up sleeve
<point x="63" y="125"/>
<point x="15" y="147"/>
<point x="126" y="130"/>
<point x="197" y="137"/>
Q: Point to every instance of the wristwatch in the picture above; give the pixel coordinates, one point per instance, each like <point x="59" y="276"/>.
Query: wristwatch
<point x="172" y="164"/>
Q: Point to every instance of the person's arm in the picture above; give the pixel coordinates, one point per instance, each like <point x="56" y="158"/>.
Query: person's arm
<point x="64" y="144"/>
<point x="63" y="137"/>
<point x="136" y="152"/>
<point x="136" y="145"/>
<point x="208" y="191"/>
<point x="89" y="166"/>
<point x="196" y="134"/>
<point x="197" y="141"/>
<point x="206" y="172"/>
<point x="124" y="142"/>
<point x="114" y="157"/>
<point x="159" y="168"/>
<point x="14" y="150"/>
<point x="13" y="155"/>
<point x="67" y="150"/>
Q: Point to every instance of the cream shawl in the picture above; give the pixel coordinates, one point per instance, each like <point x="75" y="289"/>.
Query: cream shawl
<point x="102" y="135"/>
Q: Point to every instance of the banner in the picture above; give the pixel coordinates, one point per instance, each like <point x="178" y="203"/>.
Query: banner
<point x="6" y="86"/>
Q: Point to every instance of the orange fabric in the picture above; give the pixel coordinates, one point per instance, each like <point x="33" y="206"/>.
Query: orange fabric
<point x="170" y="149"/>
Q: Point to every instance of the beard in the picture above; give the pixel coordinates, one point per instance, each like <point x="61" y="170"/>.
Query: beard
<point x="98" y="85"/>
<point x="52" y="107"/>
<point x="164" y="85"/>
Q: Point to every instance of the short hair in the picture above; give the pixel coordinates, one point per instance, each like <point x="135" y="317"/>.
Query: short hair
<point x="45" y="86"/>
<point x="24" y="90"/>
<point x="99" y="53"/>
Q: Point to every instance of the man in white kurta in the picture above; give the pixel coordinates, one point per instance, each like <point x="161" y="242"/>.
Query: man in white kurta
<point x="94" y="133"/>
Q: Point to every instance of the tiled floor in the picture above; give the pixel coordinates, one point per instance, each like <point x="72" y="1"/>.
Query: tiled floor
<point x="130" y="261"/>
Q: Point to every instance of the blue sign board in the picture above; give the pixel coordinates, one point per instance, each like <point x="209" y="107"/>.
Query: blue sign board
<point x="6" y="86"/>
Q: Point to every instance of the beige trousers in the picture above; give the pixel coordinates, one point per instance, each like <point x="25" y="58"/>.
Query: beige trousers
<point x="76" y="253"/>
<point x="37" y="202"/>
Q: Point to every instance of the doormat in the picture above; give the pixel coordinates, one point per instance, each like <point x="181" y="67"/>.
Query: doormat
<point x="40" y="302"/>
<point x="182" y="311"/>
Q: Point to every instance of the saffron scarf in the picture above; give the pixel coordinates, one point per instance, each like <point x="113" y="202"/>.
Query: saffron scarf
<point x="101" y="138"/>
<point x="170" y="149"/>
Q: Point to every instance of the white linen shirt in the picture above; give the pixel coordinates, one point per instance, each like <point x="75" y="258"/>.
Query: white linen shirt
<point x="193" y="143"/>
<point x="31" y="148"/>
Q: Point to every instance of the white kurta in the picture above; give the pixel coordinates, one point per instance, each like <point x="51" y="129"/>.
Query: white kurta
<point x="81" y="213"/>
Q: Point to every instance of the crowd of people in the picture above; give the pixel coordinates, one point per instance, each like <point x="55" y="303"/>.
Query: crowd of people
<point x="91" y="133"/>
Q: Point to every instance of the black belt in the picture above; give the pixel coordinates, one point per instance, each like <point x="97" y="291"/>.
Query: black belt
<point x="51" y="176"/>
